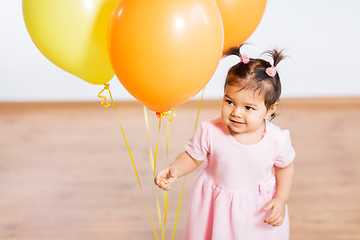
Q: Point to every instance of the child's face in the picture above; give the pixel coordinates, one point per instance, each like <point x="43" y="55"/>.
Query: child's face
<point x="244" y="111"/>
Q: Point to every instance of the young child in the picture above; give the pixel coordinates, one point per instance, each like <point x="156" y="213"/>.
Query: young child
<point x="242" y="191"/>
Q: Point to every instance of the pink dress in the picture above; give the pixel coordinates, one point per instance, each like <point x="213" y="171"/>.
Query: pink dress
<point x="236" y="183"/>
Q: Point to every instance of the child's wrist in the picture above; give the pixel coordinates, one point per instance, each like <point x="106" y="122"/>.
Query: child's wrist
<point x="281" y="198"/>
<point x="175" y="169"/>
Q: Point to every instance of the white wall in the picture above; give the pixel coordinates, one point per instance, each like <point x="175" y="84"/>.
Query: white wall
<point x="322" y="38"/>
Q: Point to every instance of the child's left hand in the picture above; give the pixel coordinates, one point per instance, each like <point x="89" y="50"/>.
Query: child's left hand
<point x="276" y="217"/>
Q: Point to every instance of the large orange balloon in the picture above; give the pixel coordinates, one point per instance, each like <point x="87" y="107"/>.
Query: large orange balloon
<point x="240" y="19"/>
<point x="165" y="51"/>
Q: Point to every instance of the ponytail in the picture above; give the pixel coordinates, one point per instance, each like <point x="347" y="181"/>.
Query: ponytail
<point x="277" y="55"/>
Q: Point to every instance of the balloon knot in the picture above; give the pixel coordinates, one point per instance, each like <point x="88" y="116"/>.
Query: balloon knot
<point x="162" y="114"/>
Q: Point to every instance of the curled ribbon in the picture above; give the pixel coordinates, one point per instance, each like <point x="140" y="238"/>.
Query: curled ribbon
<point x="104" y="103"/>
<point x="162" y="114"/>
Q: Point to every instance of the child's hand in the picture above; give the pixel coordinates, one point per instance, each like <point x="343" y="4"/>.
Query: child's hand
<point x="166" y="177"/>
<point x="276" y="217"/>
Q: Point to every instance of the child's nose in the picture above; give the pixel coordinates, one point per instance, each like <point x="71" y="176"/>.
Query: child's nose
<point x="237" y="112"/>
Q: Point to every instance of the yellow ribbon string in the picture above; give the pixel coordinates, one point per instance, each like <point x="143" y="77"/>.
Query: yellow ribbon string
<point x="183" y="186"/>
<point x="160" y="115"/>
<point x="167" y="136"/>
<point x="166" y="194"/>
<point x="148" y="134"/>
<point x="166" y="204"/>
<point x="154" y="169"/>
<point x="157" y="147"/>
<point x="198" y="113"/>
<point x="130" y="154"/>
<point x="104" y="103"/>
<point x="170" y="118"/>
<point x="153" y="161"/>
<point x="178" y="209"/>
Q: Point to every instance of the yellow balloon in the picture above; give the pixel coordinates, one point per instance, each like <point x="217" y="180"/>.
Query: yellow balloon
<point x="72" y="34"/>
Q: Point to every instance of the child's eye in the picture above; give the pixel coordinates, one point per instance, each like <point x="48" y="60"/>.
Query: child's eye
<point x="229" y="102"/>
<point x="249" y="108"/>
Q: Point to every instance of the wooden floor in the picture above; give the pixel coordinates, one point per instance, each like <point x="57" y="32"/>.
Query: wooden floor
<point x="65" y="173"/>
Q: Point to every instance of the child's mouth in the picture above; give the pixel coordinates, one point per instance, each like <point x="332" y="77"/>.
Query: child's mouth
<point x="237" y="122"/>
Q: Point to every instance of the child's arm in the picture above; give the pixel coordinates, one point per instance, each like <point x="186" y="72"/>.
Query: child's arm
<point x="183" y="165"/>
<point x="284" y="183"/>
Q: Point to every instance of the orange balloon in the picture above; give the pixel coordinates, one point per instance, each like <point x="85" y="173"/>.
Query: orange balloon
<point x="164" y="52"/>
<point x="240" y="19"/>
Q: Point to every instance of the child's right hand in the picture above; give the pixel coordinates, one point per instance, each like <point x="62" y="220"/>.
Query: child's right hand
<point x="166" y="177"/>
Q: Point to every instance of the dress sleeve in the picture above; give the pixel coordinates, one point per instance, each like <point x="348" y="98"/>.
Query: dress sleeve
<point x="198" y="146"/>
<point x="287" y="152"/>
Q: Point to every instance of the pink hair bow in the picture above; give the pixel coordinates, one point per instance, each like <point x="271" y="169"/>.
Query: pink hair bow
<point x="271" y="71"/>
<point x="244" y="58"/>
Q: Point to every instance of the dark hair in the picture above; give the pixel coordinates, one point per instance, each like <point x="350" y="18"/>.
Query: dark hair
<point x="252" y="75"/>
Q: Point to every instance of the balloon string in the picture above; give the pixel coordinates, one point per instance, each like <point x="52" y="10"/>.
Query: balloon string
<point x="166" y="204"/>
<point x="157" y="147"/>
<point x="130" y="154"/>
<point x="148" y="134"/>
<point x="166" y="194"/>
<point x="160" y="115"/>
<point x="153" y="162"/>
<point x="104" y="103"/>
<point x="178" y="209"/>
<point x="183" y="185"/>
<point x="198" y="113"/>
